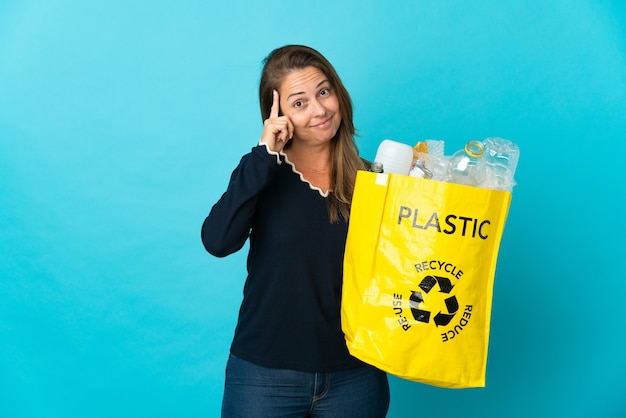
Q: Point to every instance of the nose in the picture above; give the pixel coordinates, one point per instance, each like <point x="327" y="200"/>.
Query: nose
<point x="318" y="108"/>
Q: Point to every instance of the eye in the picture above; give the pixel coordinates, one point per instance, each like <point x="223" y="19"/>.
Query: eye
<point x="298" y="104"/>
<point x="325" y="91"/>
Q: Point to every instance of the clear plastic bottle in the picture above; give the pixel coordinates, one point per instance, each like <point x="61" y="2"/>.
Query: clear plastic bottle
<point x="436" y="161"/>
<point x="376" y="167"/>
<point x="419" y="170"/>
<point x="501" y="157"/>
<point x="467" y="166"/>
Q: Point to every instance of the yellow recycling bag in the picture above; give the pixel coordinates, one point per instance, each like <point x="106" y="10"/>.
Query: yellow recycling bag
<point x="419" y="267"/>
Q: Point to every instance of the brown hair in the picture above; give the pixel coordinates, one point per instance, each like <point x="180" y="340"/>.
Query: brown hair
<point x="345" y="160"/>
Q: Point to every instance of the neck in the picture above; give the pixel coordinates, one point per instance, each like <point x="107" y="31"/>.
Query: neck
<point x="313" y="159"/>
<point x="313" y="163"/>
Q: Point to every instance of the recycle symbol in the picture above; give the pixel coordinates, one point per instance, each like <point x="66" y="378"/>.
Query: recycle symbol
<point x="416" y="299"/>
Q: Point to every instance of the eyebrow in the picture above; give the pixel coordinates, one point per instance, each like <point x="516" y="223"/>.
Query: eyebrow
<point x="302" y="92"/>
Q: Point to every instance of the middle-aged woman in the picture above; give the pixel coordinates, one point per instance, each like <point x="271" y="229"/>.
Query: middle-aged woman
<point x="290" y="196"/>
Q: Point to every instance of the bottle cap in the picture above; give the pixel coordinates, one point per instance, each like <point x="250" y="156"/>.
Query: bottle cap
<point x="474" y="149"/>
<point x="376" y="167"/>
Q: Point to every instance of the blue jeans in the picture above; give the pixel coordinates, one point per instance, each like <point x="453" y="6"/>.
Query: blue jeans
<point x="255" y="391"/>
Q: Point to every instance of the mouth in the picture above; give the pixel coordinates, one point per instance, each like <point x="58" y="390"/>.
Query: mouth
<point x="323" y="124"/>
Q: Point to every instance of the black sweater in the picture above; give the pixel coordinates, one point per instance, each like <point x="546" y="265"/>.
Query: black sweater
<point x="290" y="314"/>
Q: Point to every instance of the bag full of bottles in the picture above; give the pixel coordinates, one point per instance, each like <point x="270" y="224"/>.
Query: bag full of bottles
<point x="420" y="259"/>
<point x="489" y="164"/>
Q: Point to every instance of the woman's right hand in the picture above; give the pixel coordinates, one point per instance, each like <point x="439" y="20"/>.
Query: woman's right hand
<point x="277" y="130"/>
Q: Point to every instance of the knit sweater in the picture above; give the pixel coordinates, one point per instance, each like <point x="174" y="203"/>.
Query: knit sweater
<point x="290" y="313"/>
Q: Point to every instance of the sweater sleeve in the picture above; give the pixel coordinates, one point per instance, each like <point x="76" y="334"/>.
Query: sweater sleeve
<point x="227" y="227"/>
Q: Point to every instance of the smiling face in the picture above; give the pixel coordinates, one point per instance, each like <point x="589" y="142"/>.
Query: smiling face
<point x="309" y="101"/>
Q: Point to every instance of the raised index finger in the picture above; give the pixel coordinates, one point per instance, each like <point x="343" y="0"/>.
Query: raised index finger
<point x="275" y="105"/>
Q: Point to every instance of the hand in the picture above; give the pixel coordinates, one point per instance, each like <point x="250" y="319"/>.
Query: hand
<point x="277" y="130"/>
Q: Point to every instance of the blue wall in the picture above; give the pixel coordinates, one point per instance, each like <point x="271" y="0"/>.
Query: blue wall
<point x="120" y="122"/>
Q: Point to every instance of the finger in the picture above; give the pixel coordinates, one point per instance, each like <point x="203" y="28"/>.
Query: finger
<point x="281" y="134"/>
<point x="275" y="105"/>
<point x="285" y="130"/>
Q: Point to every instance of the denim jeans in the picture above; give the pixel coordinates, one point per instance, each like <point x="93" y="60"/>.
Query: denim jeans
<point x="255" y="391"/>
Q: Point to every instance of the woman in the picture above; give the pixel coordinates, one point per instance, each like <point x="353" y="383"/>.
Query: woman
<point x="291" y="197"/>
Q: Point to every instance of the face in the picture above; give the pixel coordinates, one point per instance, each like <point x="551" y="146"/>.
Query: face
<point x="308" y="99"/>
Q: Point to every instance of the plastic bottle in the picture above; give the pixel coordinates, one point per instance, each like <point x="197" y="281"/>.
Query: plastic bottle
<point x="501" y="157"/>
<point x="467" y="166"/>
<point x="436" y="161"/>
<point x="376" y="167"/>
<point x="396" y="157"/>
<point x="419" y="170"/>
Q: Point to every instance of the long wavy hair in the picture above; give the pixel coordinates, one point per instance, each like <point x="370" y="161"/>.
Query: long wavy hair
<point x="345" y="160"/>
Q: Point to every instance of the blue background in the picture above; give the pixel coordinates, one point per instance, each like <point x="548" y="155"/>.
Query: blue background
<point x="120" y="122"/>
